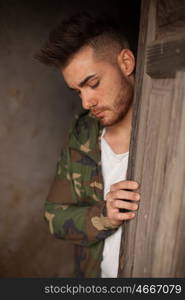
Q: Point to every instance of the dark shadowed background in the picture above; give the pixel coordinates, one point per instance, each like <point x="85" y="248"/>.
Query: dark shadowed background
<point x="35" y="112"/>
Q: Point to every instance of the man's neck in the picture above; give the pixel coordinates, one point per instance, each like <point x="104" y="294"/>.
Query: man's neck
<point x="118" y="135"/>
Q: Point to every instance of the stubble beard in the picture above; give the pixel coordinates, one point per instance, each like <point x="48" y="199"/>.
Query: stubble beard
<point x="121" y="105"/>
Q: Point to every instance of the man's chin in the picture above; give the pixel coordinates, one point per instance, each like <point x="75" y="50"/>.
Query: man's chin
<point x="105" y="122"/>
<point x="108" y="119"/>
<point x="109" y="122"/>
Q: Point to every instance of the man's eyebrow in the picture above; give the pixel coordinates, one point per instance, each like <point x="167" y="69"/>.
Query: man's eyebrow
<point x="83" y="82"/>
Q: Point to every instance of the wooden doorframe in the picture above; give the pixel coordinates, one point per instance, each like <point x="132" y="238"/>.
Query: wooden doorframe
<point x="137" y="251"/>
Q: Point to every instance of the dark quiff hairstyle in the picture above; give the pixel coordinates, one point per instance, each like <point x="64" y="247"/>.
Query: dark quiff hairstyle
<point x="101" y="33"/>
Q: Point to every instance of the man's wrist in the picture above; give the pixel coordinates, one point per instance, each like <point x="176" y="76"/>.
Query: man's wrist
<point x="103" y="223"/>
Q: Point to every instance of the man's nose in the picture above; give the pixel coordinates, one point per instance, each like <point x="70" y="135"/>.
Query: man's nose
<point x="88" y="100"/>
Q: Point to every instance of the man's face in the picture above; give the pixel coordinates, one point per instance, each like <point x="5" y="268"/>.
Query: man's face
<point x="103" y="88"/>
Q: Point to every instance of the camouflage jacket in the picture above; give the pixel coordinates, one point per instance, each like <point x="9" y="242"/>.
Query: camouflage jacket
<point x="75" y="207"/>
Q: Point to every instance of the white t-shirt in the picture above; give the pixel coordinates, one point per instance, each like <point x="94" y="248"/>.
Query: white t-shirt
<point x="114" y="168"/>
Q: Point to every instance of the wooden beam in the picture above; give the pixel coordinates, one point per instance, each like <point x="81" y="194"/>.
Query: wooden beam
<point x="153" y="243"/>
<point x="147" y="34"/>
<point x="165" y="57"/>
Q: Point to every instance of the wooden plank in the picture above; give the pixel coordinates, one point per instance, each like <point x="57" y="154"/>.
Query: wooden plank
<point x="165" y="57"/>
<point x="153" y="243"/>
<point x="170" y="11"/>
<point x="147" y="34"/>
<point x="168" y="248"/>
<point x="170" y="18"/>
<point x="151" y="171"/>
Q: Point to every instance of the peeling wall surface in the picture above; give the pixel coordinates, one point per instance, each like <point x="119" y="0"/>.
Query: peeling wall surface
<point x="35" y="112"/>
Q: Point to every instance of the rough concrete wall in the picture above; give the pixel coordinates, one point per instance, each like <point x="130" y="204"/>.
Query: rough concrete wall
<point x="35" y="111"/>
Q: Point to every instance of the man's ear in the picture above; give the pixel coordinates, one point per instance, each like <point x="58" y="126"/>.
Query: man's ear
<point x="126" y="61"/>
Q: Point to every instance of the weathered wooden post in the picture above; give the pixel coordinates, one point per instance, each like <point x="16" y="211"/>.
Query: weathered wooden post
<point x="153" y="245"/>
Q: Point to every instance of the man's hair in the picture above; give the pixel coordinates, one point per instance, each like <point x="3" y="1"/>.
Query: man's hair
<point x="100" y="33"/>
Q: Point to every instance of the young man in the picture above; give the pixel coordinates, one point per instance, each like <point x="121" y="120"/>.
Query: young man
<point x="95" y="60"/>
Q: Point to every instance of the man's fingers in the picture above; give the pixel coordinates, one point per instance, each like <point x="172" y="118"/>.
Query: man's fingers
<point x="122" y="194"/>
<point x="117" y="199"/>
<point x="124" y="184"/>
<point x="123" y="204"/>
<point x="124" y="216"/>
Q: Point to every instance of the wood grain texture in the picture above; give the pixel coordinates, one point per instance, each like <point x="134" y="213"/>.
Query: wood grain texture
<point x="165" y="57"/>
<point x="150" y="167"/>
<point x="153" y="243"/>
<point x="170" y="18"/>
<point x="170" y="11"/>
<point x="147" y="24"/>
<point x="169" y="253"/>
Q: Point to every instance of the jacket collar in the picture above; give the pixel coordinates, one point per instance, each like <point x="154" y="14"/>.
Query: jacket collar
<point x="85" y="136"/>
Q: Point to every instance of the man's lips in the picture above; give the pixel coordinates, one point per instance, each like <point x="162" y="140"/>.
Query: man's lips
<point x="98" y="114"/>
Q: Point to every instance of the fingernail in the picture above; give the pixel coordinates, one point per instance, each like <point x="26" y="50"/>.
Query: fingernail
<point x="136" y="185"/>
<point x="138" y="197"/>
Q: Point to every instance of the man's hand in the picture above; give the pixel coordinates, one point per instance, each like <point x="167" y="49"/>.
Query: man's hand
<point x="115" y="201"/>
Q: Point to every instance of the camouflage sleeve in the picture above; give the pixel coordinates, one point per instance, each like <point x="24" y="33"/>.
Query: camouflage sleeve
<point x="82" y="223"/>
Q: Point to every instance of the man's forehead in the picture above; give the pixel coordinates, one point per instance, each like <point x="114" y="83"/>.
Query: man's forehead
<point x="82" y="65"/>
